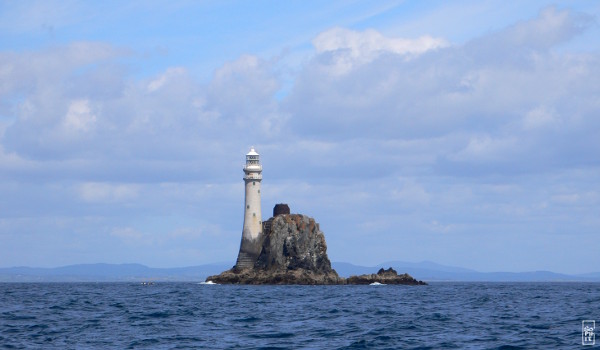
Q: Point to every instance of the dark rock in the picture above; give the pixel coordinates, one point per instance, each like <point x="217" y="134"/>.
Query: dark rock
<point x="293" y="252"/>
<point x="295" y="242"/>
<point x="389" y="276"/>
<point x="299" y="276"/>
<point x="281" y="209"/>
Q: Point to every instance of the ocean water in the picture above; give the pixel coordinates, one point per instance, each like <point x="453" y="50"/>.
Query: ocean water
<point x="194" y="316"/>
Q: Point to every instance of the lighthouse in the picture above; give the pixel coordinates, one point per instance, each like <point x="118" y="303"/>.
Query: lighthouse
<point x="252" y="231"/>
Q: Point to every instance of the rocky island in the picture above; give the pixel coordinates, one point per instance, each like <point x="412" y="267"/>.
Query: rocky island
<point x="293" y="251"/>
<point x="383" y="276"/>
<point x="287" y="248"/>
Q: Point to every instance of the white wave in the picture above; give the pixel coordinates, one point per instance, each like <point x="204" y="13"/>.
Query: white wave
<point x="377" y="284"/>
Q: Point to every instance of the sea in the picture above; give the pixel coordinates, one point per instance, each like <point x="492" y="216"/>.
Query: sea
<point x="196" y="316"/>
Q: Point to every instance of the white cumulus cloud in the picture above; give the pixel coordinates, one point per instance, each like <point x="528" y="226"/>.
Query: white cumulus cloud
<point x="79" y="117"/>
<point x="350" y="48"/>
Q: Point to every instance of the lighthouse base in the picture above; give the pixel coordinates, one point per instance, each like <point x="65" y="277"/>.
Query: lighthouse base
<point x="245" y="261"/>
<point x="249" y="251"/>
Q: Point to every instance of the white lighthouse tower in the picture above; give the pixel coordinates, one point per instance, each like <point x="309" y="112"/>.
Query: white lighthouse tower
<point x="252" y="232"/>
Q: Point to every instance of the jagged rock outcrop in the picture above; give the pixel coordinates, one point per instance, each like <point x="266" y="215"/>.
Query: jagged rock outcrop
<point x="295" y="242"/>
<point x="293" y="252"/>
<point x="389" y="276"/>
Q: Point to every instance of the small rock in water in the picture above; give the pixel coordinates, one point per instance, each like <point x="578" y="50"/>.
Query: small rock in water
<point x="389" y="276"/>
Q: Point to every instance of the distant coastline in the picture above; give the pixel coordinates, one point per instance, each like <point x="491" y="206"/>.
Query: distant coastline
<point x="427" y="271"/>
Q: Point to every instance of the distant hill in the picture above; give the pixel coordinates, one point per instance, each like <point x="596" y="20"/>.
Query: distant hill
<point x="425" y="271"/>
<point x="430" y="271"/>
<point x="109" y="273"/>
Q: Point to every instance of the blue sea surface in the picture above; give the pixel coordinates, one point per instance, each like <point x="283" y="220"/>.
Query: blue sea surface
<point x="194" y="316"/>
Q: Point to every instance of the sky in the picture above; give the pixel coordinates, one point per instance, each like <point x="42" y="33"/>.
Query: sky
<point x="465" y="133"/>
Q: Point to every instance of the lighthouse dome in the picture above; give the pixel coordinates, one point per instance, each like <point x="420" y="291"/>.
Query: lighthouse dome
<point x="252" y="162"/>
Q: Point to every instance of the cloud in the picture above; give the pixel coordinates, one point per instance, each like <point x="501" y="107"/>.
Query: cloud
<point x="498" y="99"/>
<point x="242" y="94"/>
<point x="411" y="193"/>
<point x="540" y="117"/>
<point x="127" y="234"/>
<point x="171" y="73"/>
<point x="80" y="117"/>
<point x="78" y="102"/>
<point x="485" y="148"/>
<point x="347" y="48"/>
<point x="103" y="192"/>
<point x="550" y="28"/>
